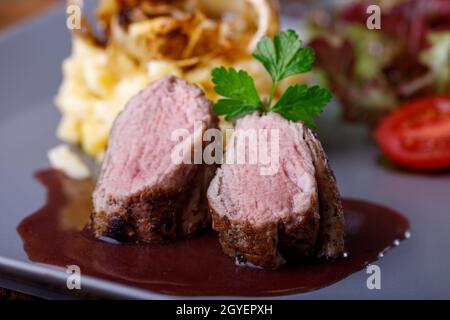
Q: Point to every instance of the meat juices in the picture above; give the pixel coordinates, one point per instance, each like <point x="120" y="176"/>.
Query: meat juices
<point x="259" y="217"/>
<point x="142" y="195"/>
<point x="53" y="235"/>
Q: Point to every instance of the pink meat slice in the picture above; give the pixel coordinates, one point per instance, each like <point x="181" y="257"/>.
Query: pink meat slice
<point x="142" y="194"/>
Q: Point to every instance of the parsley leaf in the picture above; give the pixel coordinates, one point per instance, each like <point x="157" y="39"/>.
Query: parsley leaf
<point x="284" y="56"/>
<point x="301" y="102"/>
<point x="240" y="90"/>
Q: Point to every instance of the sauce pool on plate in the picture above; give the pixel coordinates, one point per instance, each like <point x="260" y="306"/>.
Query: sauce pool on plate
<point x="55" y="235"/>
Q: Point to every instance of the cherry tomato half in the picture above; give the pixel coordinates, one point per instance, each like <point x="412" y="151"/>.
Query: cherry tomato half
<point x="417" y="135"/>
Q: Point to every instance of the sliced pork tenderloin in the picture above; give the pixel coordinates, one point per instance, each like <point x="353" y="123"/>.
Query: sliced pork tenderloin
<point x="255" y="214"/>
<point x="259" y="217"/>
<point x="142" y="194"/>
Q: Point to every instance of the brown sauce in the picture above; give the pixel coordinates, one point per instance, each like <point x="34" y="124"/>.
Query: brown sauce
<point x="55" y="235"/>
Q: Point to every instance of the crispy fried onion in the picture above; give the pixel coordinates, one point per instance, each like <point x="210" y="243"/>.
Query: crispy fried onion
<point x="183" y="31"/>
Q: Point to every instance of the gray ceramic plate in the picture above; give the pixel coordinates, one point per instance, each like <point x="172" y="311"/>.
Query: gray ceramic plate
<point x="30" y="64"/>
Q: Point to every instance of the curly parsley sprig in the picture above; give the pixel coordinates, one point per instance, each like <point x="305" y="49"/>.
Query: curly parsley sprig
<point x="283" y="57"/>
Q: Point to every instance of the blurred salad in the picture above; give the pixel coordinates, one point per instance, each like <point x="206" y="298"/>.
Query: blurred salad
<point x="373" y="72"/>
